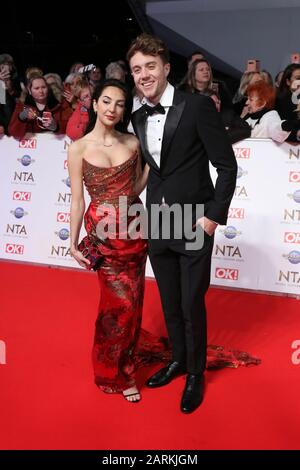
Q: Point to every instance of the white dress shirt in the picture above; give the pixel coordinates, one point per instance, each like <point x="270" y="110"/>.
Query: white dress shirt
<point x="155" y="124"/>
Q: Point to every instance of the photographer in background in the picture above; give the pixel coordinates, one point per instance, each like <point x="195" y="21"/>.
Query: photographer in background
<point x="265" y="122"/>
<point x="70" y="85"/>
<point x="10" y="90"/>
<point x="286" y="104"/>
<point x="237" y="128"/>
<point x="94" y="77"/>
<point x="40" y="112"/>
<point x="116" y="71"/>
<point x="78" y="121"/>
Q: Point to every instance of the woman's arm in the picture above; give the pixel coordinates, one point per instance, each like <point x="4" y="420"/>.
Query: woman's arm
<point x="77" y="201"/>
<point x="141" y="176"/>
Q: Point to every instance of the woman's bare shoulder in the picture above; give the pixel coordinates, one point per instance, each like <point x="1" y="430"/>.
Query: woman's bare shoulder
<point x="80" y="145"/>
<point x="130" y="140"/>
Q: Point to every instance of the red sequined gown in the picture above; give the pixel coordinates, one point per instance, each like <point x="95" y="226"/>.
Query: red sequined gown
<point x="120" y="345"/>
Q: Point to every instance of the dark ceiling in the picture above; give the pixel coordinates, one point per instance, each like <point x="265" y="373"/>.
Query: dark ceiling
<point x="54" y="35"/>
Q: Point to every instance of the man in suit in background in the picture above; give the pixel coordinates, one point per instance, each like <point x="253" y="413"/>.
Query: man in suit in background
<point x="179" y="134"/>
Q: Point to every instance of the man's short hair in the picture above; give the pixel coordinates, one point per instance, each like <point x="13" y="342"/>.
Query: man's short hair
<point x="149" y="45"/>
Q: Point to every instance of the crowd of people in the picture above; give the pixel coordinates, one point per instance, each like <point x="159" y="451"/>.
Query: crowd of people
<point x="46" y="103"/>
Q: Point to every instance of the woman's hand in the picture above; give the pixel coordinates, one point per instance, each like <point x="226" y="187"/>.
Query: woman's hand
<point x="245" y="111"/>
<point x="28" y="114"/>
<point x="78" y="256"/>
<point x="4" y="75"/>
<point x="49" y="123"/>
<point x="69" y="97"/>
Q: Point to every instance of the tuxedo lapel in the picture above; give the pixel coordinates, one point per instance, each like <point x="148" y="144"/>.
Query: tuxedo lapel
<point x="171" y="124"/>
<point x="139" y="124"/>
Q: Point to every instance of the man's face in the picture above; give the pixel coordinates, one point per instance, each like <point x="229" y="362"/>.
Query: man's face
<point x="150" y="75"/>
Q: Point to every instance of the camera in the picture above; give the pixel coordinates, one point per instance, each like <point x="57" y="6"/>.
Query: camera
<point x="295" y="58"/>
<point x="47" y="115"/>
<point x="87" y="68"/>
<point x="253" y="65"/>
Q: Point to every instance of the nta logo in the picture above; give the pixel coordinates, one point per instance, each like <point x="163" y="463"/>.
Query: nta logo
<point x="16" y="229"/>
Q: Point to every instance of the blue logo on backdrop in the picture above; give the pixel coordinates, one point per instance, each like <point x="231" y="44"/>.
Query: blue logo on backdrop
<point x="26" y="160"/>
<point x="63" y="234"/>
<point x="230" y="232"/>
<point x="67" y="182"/>
<point x="293" y="257"/>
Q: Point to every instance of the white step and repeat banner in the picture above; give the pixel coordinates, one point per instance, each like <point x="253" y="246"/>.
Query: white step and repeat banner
<point x="259" y="248"/>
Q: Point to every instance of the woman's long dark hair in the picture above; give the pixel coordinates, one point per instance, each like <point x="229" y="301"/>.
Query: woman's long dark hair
<point x="121" y="126"/>
<point x="287" y="73"/>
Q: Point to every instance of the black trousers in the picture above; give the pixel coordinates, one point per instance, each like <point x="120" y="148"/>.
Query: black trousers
<point x="183" y="279"/>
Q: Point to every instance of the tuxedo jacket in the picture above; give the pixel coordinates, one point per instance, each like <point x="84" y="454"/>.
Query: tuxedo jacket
<point x="193" y="136"/>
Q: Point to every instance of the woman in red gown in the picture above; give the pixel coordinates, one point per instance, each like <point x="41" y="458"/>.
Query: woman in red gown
<point x="108" y="162"/>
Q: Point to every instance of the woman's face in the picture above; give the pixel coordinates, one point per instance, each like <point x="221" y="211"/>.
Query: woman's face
<point x="86" y="97"/>
<point x="39" y="90"/>
<point x="202" y="72"/>
<point x="74" y="85"/>
<point x="295" y="76"/>
<point x="95" y="74"/>
<point x="110" y="106"/>
<point x="254" y="103"/>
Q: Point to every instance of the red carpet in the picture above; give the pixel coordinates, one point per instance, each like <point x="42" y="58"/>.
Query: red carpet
<point x="48" y="399"/>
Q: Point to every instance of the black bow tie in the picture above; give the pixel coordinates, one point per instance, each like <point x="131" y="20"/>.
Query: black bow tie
<point x="150" y="110"/>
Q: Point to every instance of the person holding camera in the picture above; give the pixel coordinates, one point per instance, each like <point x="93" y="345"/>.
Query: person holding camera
<point x="264" y="120"/>
<point x="10" y="90"/>
<point x="287" y="99"/>
<point x="40" y="112"/>
<point x="79" y="119"/>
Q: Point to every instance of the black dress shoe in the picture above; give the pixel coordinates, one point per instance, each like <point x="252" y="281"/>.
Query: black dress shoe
<point x="193" y="393"/>
<point x="166" y="375"/>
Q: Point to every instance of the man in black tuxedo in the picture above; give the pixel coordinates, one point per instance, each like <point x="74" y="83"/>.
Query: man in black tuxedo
<point x="178" y="139"/>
